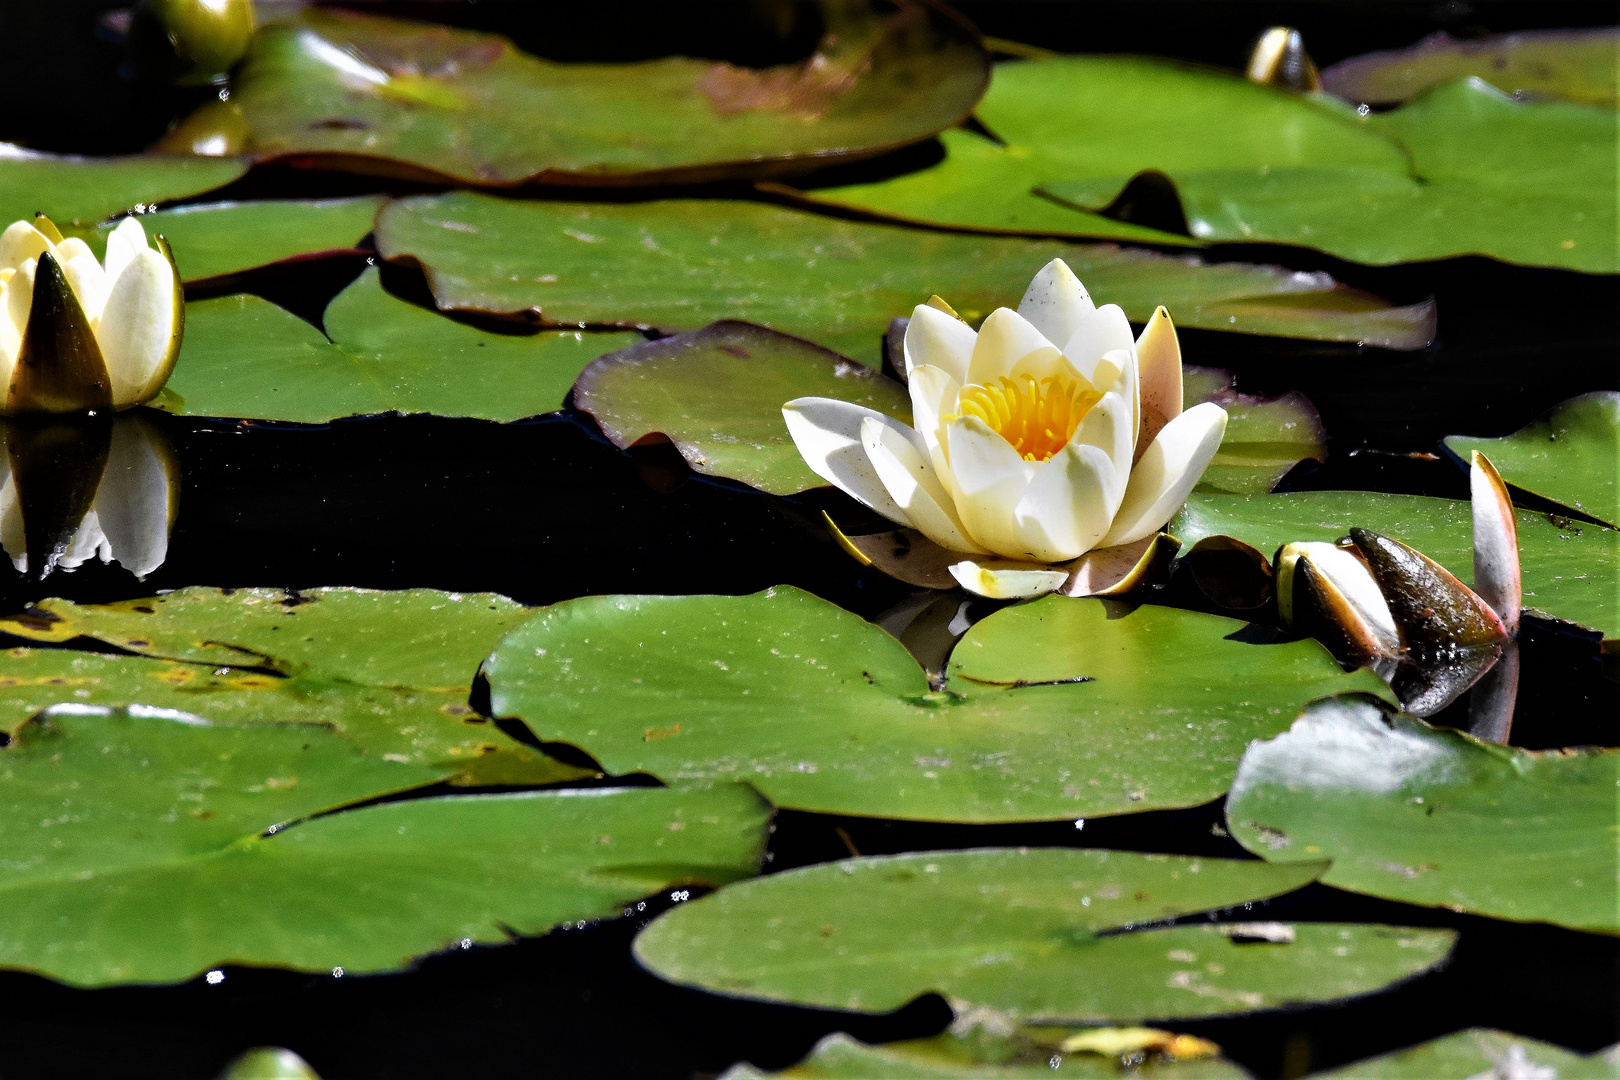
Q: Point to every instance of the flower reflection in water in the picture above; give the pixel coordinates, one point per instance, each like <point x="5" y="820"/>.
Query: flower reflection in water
<point x="78" y="488"/>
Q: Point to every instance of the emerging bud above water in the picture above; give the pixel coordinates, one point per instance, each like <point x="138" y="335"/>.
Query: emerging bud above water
<point x="1279" y="59"/>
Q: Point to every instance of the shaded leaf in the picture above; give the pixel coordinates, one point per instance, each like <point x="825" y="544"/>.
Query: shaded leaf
<point x="1021" y="931"/>
<point x="1575" y="65"/>
<point x="1052" y="709"/>
<point x="1478" y="1052"/>
<point x="1433" y="817"/>
<point x="376" y="94"/>
<point x="181" y="848"/>
<point x="244" y="356"/>
<point x="678" y="264"/>
<point x="392" y="671"/>
<point x="1569" y="456"/>
<point x="1560" y="559"/>
<point x="1265" y="436"/>
<point x="85" y="190"/>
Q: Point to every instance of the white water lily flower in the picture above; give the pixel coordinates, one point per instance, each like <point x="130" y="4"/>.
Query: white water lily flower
<point x="78" y="334"/>
<point x="1048" y="434"/>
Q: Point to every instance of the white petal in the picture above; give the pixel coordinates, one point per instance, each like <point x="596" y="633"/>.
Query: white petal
<point x="1350" y="577"/>
<point x="21" y="242"/>
<point x="123" y="244"/>
<point x="136" y="326"/>
<point x="1069" y="504"/>
<point x="999" y="584"/>
<point x="10" y="339"/>
<point x="901" y="461"/>
<point x="1005" y="338"/>
<point x="1158" y="358"/>
<point x="1497" y="578"/>
<point x="1104" y="330"/>
<point x="1055" y="302"/>
<point x="89" y="283"/>
<point x="133" y="500"/>
<point x="1043" y="363"/>
<point x="933" y="395"/>
<point x="1161" y="481"/>
<point x="828" y="435"/>
<point x="88" y="542"/>
<point x="19" y="300"/>
<point x="1108" y="427"/>
<point x="987" y="480"/>
<point x="938" y="340"/>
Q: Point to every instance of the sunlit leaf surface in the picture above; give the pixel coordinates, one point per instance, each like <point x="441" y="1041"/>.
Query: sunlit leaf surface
<point x="1575" y="65"/>
<point x="392" y="671"/>
<point x="86" y="190"/>
<point x="1570" y="456"/>
<point x="1478" y="1052"/>
<point x="244" y="356"/>
<point x="1062" y="708"/>
<point x="1018" y="930"/>
<point x="147" y="849"/>
<point x="678" y="264"/>
<point x="424" y="100"/>
<point x="1433" y="817"/>
<point x="1569" y="566"/>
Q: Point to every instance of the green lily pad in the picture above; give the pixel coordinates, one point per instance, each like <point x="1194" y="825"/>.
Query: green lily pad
<point x="1265" y="436"/>
<point x="717" y="393"/>
<point x="1052" y="709"/>
<point x="1434" y="817"/>
<point x="1022" y="931"/>
<point x="1478" y="1052"/>
<point x="244" y="356"/>
<point x="979" y="1055"/>
<point x="1569" y="566"/>
<point x="212" y="240"/>
<point x="389" y="95"/>
<point x="392" y="671"/>
<point x="1527" y="183"/>
<point x="1574" y="65"/>
<point x="147" y="848"/>
<point x="678" y="264"/>
<point x="1570" y="455"/>
<point x="86" y="190"/>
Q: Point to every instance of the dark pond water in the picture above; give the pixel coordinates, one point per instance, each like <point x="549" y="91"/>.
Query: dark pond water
<point x="546" y="510"/>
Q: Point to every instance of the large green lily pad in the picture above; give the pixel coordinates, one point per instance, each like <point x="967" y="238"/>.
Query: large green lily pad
<point x="212" y="240"/>
<point x="1569" y="566"/>
<point x="86" y="190"/>
<point x="1022" y="931"/>
<point x="1061" y="708"/>
<point x="980" y="1055"/>
<point x="392" y="671"/>
<point x="244" y="356"/>
<point x="1570" y="456"/>
<point x="389" y="95"/>
<point x="678" y="264"/>
<point x="146" y="848"/>
<point x="1574" y="65"/>
<point x="1522" y="182"/>
<point x="1478" y="1052"/>
<point x="1434" y="817"/>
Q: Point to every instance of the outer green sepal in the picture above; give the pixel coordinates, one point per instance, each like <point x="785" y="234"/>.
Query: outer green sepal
<point x="59" y="365"/>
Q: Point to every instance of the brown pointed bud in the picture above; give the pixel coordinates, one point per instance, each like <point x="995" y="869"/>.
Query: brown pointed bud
<point x="1279" y="59"/>
<point x="59" y="365"/>
<point x="1433" y="609"/>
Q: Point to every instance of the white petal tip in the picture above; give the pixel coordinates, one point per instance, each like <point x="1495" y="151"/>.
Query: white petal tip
<point x="1006" y="584"/>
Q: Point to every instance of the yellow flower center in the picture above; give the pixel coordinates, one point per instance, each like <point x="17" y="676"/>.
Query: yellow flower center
<point x="1038" y="417"/>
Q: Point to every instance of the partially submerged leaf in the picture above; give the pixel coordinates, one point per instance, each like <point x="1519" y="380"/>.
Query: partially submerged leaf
<point x="244" y="356"/>
<point x="678" y="264"/>
<point x="406" y="98"/>
<point x="1568" y="456"/>
<point x="84" y="190"/>
<point x="1059" y="708"/>
<point x="1574" y="65"/>
<point x="1432" y="817"/>
<point x="187" y="845"/>
<point x="392" y="671"/>
<point x="1265" y="436"/>
<point x="1021" y="931"/>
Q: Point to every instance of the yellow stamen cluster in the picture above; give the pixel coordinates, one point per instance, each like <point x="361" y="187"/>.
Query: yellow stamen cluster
<point x="1037" y="417"/>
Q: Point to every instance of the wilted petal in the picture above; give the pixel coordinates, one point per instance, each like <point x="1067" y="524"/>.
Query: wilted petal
<point x="1006" y="584"/>
<point x="123" y="244"/>
<point x="1055" y="302"/>
<point x="1005" y="338"/>
<point x="1103" y="331"/>
<point x="901" y="461"/>
<point x="1068" y="505"/>
<point x="938" y="340"/>
<point x="828" y="434"/>
<point x="21" y="242"/>
<point x="1497" y="579"/>
<point x="1167" y="472"/>
<point x="137" y="327"/>
<point x="988" y="479"/>
<point x="1158" y="359"/>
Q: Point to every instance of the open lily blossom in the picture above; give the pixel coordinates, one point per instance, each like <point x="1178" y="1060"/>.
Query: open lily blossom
<point x="1045" y="439"/>
<point x="77" y="334"/>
